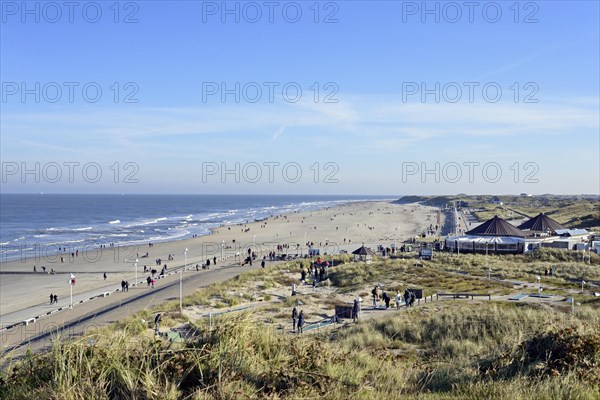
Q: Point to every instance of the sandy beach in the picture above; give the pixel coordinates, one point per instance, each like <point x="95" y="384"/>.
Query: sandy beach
<point x="371" y="223"/>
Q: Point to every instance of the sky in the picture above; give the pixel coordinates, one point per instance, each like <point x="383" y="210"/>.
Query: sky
<point x="305" y="97"/>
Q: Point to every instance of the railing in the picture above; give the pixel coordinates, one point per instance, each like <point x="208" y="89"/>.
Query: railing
<point x="461" y="295"/>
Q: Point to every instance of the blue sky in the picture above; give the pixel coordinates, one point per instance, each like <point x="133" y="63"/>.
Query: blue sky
<point x="367" y="57"/>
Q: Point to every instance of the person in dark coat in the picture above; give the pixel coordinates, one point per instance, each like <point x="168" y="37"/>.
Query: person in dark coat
<point x="386" y="298"/>
<point x="413" y="297"/>
<point x="157" y="319"/>
<point x="301" y="321"/>
<point x="355" y="310"/>
<point x="406" y="297"/>
<point x="294" y="319"/>
<point x="375" y="296"/>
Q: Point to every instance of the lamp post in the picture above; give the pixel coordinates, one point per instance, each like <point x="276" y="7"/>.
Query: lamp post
<point x="582" y="283"/>
<point x="135" y="267"/>
<point x="185" y="259"/>
<point x="539" y="279"/>
<point x="181" y="281"/>
<point x="222" y="247"/>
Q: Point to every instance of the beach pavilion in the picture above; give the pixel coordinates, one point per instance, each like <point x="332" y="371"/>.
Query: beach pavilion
<point x="493" y="236"/>
<point x="363" y="254"/>
<point x="541" y="225"/>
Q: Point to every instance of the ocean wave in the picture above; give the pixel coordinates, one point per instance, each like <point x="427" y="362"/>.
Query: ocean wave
<point x="116" y="221"/>
<point x="87" y="228"/>
<point x="147" y="222"/>
<point x="169" y="237"/>
<point x="10" y="250"/>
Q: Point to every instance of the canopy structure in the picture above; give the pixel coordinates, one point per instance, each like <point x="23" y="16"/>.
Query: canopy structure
<point x="363" y="254"/>
<point x="496" y="227"/>
<point x="541" y="223"/>
<point x="493" y="236"/>
<point x="485" y="244"/>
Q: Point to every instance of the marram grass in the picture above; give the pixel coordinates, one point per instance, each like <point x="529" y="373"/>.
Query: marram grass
<point x="441" y="351"/>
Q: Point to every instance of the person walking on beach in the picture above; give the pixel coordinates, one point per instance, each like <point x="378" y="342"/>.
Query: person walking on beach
<point x="34" y="269"/>
<point x="105" y="276"/>
<point x="153" y="283"/>
<point x="413" y="297"/>
<point x="301" y="321"/>
<point x="406" y="297"/>
<point x="148" y="281"/>
<point x="398" y="296"/>
<point x="55" y="298"/>
<point x="51" y="298"/>
<point x="215" y="260"/>
<point x="294" y="319"/>
<point x="262" y="263"/>
<point x="127" y="286"/>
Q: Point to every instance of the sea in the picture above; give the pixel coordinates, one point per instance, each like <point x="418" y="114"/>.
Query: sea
<point x="29" y="222"/>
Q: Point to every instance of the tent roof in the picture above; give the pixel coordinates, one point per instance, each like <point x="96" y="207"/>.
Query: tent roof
<point x="496" y="227"/>
<point x="541" y="223"/>
<point x="363" y="251"/>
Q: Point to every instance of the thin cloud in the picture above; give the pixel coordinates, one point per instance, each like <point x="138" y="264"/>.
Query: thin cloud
<point x="278" y="133"/>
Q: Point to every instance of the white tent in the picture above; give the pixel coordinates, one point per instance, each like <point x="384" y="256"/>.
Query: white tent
<point x="499" y="244"/>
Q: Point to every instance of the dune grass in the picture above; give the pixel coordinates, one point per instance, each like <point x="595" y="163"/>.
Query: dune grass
<point x="441" y="350"/>
<point x="433" y="352"/>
